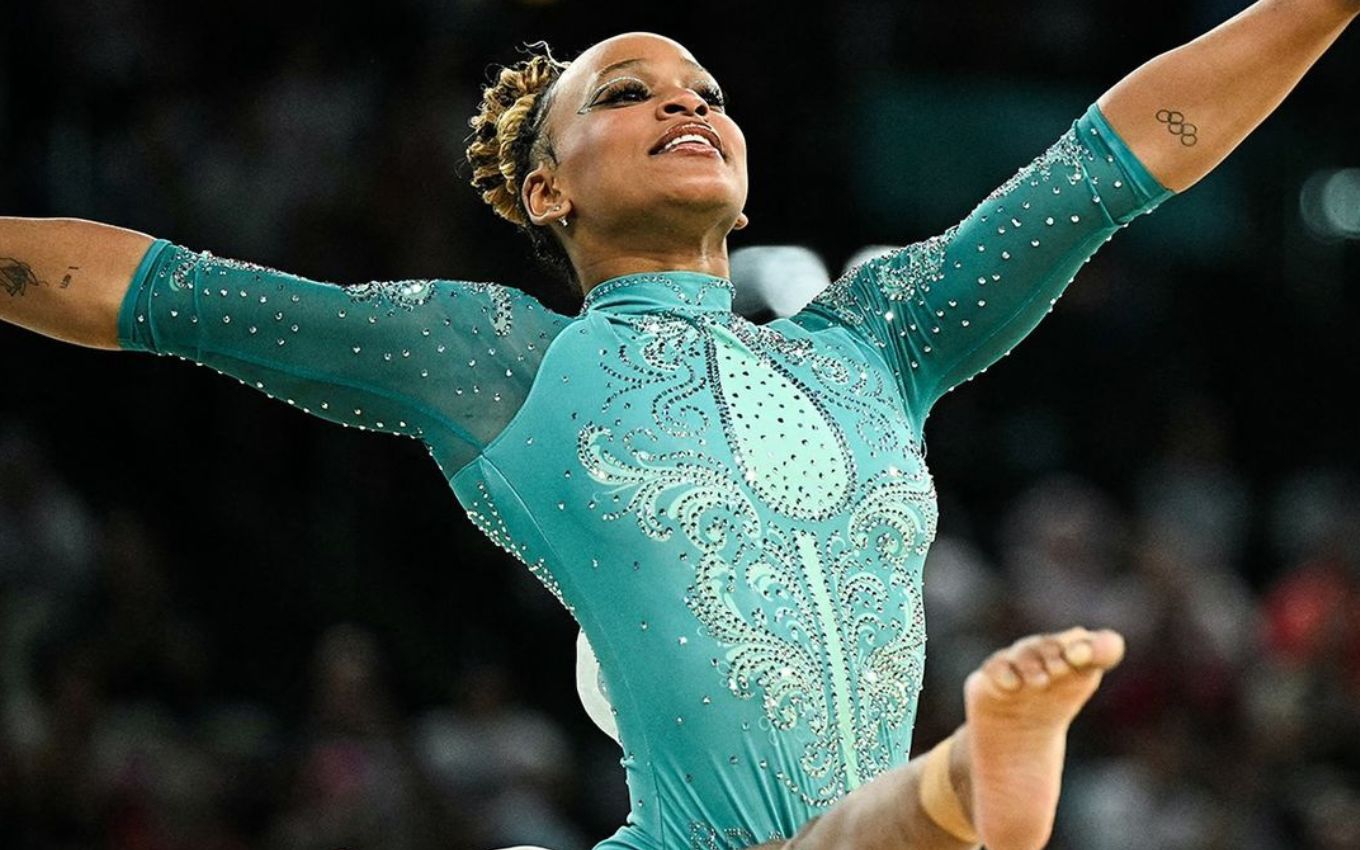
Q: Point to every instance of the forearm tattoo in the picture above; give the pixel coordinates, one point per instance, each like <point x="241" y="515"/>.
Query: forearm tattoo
<point x="1176" y="125"/>
<point x="16" y="276"/>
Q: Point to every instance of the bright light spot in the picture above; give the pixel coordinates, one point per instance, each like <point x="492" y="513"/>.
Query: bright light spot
<point x="1329" y="204"/>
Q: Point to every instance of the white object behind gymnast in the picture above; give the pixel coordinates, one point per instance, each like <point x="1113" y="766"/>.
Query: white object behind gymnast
<point x="588" y="687"/>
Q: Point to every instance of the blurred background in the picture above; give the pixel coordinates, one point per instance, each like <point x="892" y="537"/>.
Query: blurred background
<point x="225" y="624"/>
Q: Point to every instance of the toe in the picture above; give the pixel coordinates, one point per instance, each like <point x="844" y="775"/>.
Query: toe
<point x="1107" y="648"/>
<point x="1078" y="653"/>
<point x="1029" y="660"/>
<point x="1102" y="650"/>
<point x="1055" y="664"/>
<point x="1002" y="673"/>
<point x="1073" y="634"/>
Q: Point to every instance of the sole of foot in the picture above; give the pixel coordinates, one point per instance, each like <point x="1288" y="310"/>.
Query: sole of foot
<point x="1019" y="704"/>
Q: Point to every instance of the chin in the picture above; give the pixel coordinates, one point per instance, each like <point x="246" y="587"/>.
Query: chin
<point x="713" y="192"/>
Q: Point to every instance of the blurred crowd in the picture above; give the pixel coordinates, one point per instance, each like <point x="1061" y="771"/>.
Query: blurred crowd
<point x="108" y="737"/>
<point x="227" y="625"/>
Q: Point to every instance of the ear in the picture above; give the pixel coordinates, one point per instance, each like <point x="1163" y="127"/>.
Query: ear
<point x="742" y="221"/>
<point x="541" y="194"/>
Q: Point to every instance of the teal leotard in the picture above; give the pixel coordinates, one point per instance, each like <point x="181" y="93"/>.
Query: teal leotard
<point x="736" y="514"/>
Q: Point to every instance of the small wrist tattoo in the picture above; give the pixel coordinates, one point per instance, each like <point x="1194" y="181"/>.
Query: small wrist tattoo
<point x="1176" y="125"/>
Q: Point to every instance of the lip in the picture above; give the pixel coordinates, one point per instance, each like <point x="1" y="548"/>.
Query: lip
<point x="692" y="150"/>
<point x="695" y="127"/>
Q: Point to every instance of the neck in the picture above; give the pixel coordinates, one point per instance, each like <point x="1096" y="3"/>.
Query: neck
<point x="608" y="268"/>
<point x="598" y="259"/>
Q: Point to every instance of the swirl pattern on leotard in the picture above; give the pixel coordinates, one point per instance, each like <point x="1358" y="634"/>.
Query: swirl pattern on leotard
<point x="827" y="628"/>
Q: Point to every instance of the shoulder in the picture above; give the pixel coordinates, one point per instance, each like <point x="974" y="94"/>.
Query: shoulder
<point x="502" y="306"/>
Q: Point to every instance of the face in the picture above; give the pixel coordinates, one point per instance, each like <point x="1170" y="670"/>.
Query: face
<point x="607" y="113"/>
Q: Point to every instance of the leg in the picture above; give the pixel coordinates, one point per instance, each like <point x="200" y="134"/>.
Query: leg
<point x="1006" y="762"/>
<point x="884" y="814"/>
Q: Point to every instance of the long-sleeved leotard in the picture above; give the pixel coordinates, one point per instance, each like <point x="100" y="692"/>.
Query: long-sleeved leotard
<point x="736" y="514"/>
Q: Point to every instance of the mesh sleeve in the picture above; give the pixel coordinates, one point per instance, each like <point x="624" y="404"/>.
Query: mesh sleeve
<point x="443" y="361"/>
<point x="942" y="310"/>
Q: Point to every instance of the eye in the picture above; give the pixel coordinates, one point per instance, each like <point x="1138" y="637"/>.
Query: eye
<point x="627" y="89"/>
<point x="714" y="96"/>
<point x="623" y="89"/>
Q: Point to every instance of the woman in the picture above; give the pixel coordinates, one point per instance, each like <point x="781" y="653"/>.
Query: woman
<point x="736" y="515"/>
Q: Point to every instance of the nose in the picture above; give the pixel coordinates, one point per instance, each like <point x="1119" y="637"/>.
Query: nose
<point x="684" y="100"/>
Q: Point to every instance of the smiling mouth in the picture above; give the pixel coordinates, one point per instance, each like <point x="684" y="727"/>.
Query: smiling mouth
<point x="690" y="137"/>
<point x="691" y="148"/>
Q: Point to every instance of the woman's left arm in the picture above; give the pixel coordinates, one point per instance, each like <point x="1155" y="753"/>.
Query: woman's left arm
<point x="1183" y="112"/>
<point x="941" y="311"/>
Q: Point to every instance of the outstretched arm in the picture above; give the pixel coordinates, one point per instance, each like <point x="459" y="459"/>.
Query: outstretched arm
<point x="1183" y="112"/>
<point x="942" y="310"/>
<point x="445" y="361"/>
<point x="66" y="277"/>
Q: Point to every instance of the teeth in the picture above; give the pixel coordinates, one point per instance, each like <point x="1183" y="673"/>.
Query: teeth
<point x="688" y="137"/>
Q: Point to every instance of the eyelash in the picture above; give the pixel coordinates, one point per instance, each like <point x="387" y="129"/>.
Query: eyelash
<point x="713" y="93"/>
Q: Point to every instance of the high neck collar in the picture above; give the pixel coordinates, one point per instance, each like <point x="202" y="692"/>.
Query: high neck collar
<point x="654" y="292"/>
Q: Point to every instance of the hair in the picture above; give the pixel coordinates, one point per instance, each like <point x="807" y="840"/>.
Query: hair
<point x="508" y="141"/>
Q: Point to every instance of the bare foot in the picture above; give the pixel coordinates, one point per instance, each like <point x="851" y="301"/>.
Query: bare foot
<point x="1019" y="705"/>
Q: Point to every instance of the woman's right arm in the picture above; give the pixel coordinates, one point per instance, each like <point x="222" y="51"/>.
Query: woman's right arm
<point x="66" y="277"/>
<point x="448" y="362"/>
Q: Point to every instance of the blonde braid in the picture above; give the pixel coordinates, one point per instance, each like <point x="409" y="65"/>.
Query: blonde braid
<point x="506" y="132"/>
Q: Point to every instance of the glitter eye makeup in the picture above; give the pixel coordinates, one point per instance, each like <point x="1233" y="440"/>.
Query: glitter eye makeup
<point x="611" y="92"/>
<point x="614" y="92"/>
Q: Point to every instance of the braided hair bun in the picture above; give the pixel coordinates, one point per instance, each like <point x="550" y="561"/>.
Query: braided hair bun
<point x="506" y="142"/>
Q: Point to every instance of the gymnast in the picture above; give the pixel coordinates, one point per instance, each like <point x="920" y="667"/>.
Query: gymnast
<point x="736" y="515"/>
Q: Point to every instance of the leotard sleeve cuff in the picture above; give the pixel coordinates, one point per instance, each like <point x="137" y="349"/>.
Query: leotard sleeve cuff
<point x="1102" y="139"/>
<point x="128" y="316"/>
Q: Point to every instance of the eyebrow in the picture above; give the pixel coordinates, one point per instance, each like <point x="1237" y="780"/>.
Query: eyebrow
<point x="629" y="62"/>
